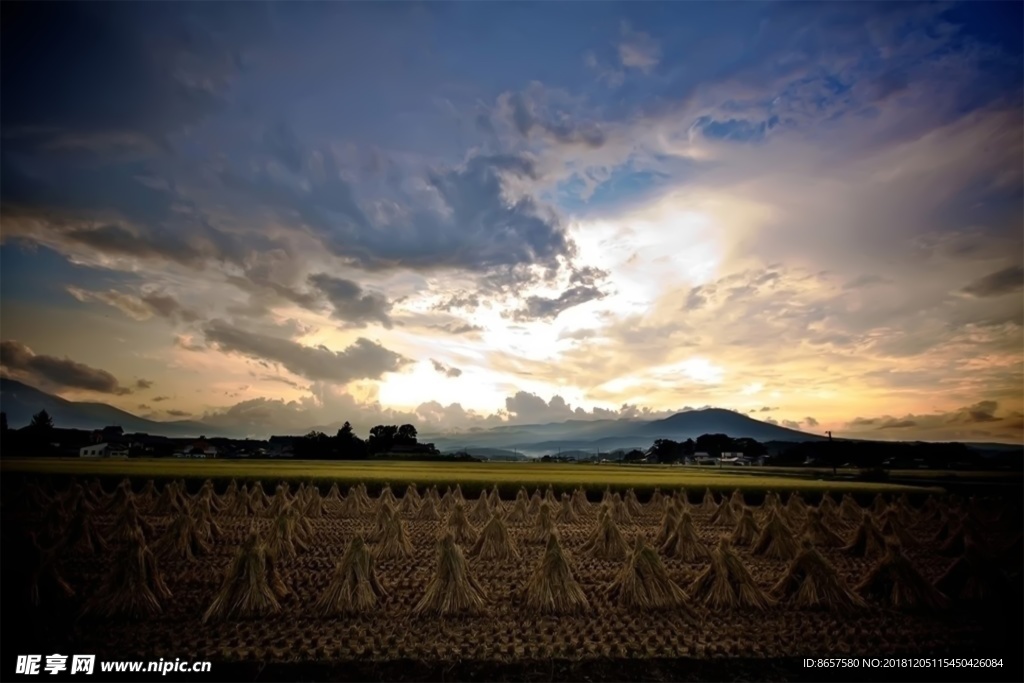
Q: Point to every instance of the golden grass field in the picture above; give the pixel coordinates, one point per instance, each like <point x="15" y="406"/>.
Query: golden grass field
<point x="472" y="475"/>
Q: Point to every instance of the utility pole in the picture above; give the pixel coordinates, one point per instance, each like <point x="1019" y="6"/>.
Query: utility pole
<point x="831" y="453"/>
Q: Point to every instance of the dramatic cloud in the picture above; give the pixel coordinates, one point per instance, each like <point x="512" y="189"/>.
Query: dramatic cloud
<point x="138" y="307"/>
<point x="20" y="362"/>
<point x="544" y="308"/>
<point x="350" y="304"/>
<point x="363" y="360"/>
<point x="445" y="370"/>
<point x="1005" y="281"/>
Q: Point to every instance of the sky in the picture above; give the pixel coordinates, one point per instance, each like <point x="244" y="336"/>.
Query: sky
<point x="275" y="216"/>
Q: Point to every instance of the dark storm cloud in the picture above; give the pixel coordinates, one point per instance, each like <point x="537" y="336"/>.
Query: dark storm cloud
<point x="350" y="303"/>
<point x="364" y="359"/>
<point x="544" y="308"/>
<point x="50" y="371"/>
<point x="99" y="68"/>
<point x="1005" y="281"/>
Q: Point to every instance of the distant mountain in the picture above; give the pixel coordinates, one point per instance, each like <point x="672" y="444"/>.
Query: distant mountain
<point x="20" y="402"/>
<point x="607" y="435"/>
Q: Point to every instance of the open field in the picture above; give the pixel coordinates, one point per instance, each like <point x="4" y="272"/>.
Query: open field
<point x="470" y="475"/>
<point x="636" y="587"/>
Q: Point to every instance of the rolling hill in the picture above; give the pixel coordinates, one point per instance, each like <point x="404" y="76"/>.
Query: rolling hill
<point x="20" y="402"/>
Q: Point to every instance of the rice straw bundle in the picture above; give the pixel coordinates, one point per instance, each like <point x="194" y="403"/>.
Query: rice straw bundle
<point x="746" y="531"/>
<point x="867" y="541"/>
<point x="245" y="591"/>
<point x="552" y="589"/>
<point x="520" y="512"/>
<point x="812" y="582"/>
<point x="387" y="496"/>
<point x="819" y="532"/>
<point x="684" y="543"/>
<point x="725" y="514"/>
<point x="354" y="587"/>
<point x="410" y="501"/>
<point x="896" y="582"/>
<point x="134" y="587"/>
<point x="543" y="525"/>
<point x="606" y="542"/>
<point x="43" y="567"/>
<point x="534" y="507"/>
<point x="394" y="540"/>
<point x="385" y="513"/>
<point x="82" y="534"/>
<point x="566" y="513"/>
<point x="632" y="504"/>
<point x="481" y="511"/>
<point x="494" y="542"/>
<point x="849" y="510"/>
<point x="726" y="583"/>
<point x="278" y="502"/>
<point x="428" y="511"/>
<point x="459" y="527"/>
<point x="452" y="589"/>
<point x="891" y="525"/>
<point x="182" y="539"/>
<point x="776" y="540"/>
<point x="549" y="497"/>
<point x="580" y="503"/>
<point x="974" y="577"/>
<point x="643" y="583"/>
<point x="669" y="521"/>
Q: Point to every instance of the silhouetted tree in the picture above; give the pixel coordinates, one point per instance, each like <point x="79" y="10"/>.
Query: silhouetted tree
<point x="42" y="422"/>
<point x="666" y="450"/>
<point x="3" y="423"/>
<point x="689" y="447"/>
<point x="634" y="455"/>
<point x="313" y="446"/>
<point x="348" y="446"/>
<point x="714" y="444"/>
<point x="382" y="438"/>
<point x="406" y="435"/>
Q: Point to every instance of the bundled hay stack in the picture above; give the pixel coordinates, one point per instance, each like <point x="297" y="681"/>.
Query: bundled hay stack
<point x="481" y="511"/>
<point x="148" y="495"/>
<point x="394" y="540"/>
<point x="428" y="511"/>
<point x="202" y="511"/>
<point x="776" y="540"/>
<point x="333" y="498"/>
<point x="818" y="532"/>
<point x="867" y="541"/>
<point x="169" y="503"/>
<point x="258" y="500"/>
<point x="930" y="510"/>
<point x="725" y="514"/>
<point x="746" y="531"/>
<point x="965" y="533"/>
<point x="657" y="501"/>
<point x="285" y="539"/>
<point x="123" y="496"/>
<point x="549" y="497"/>
<point x="580" y="503"/>
<point x="606" y="542"/>
<point x="566" y="513"/>
<point x="896" y="582"/>
<point x="891" y="525"/>
<point x="494" y="542"/>
<point x="620" y="513"/>
<point x="246" y="591"/>
<point x="632" y="504"/>
<point x="432" y="494"/>
<point x="684" y="543"/>
<point x="669" y="522"/>
<point x="643" y="583"/>
<point x="534" y="507"/>
<point x="947" y="526"/>
<point x="313" y="504"/>
<point x="495" y="499"/>
<point x="82" y="535"/>
<point x="385" y="513"/>
<point x="354" y="587"/>
<point x="812" y="582"/>
<point x="410" y="501"/>
<point x="796" y="508"/>
<point x="520" y="513"/>
<point x="879" y="505"/>
<point x="278" y="502"/>
<point x="552" y="589"/>
<point x="387" y="496"/>
<point x="352" y="505"/>
<point x="452" y="589"/>
<point x="849" y="511"/>
<point x="44" y="576"/>
<point x="726" y="583"/>
<point x="459" y="527"/>
<point x="446" y="501"/>
<point x="974" y="577"/>
<point x="134" y="587"/>
<point x="128" y="523"/>
<point x="183" y="538"/>
<point x="543" y="525"/>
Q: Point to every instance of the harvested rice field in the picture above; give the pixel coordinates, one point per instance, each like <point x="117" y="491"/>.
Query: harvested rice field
<point x="291" y="581"/>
